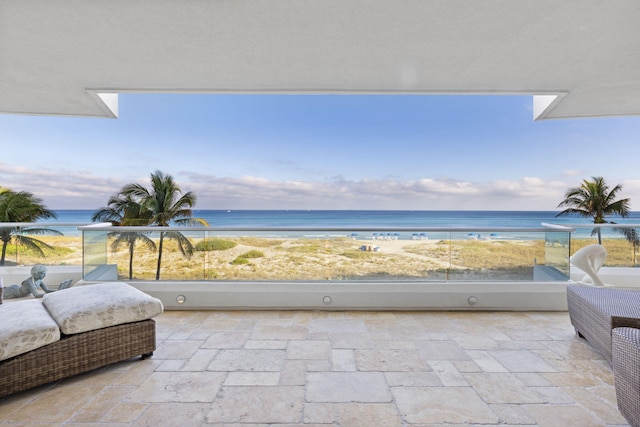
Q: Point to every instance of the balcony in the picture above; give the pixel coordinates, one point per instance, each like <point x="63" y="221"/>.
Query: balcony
<point x="338" y="268"/>
<point x="363" y="358"/>
<point x="334" y="268"/>
<point x="360" y="368"/>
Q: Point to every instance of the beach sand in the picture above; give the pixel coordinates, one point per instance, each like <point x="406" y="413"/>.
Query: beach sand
<point x="340" y="258"/>
<point x="317" y="259"/>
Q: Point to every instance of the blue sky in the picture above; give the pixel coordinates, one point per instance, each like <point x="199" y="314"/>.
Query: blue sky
<point x="322" y="152"/>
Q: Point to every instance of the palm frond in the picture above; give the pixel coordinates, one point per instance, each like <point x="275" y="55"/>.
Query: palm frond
<point x="33" y="244"/>
<point x="41" y="231"/>
<point x="184" y="244"/>
<point x="630" y="234"/>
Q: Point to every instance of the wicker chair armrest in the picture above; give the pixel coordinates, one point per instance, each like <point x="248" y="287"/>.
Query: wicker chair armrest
<point x="626" y="371"/>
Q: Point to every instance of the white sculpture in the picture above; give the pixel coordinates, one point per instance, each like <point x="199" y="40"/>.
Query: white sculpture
<point x="589" y="259"/>
<point x="31" y="284"/>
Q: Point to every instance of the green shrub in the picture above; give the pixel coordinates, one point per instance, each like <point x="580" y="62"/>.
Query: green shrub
<point x="244" y="258"/>
<point x="258" y="242"/>
<point x="358" y="254"/>
<point x="214" y="245"/>
<point x="252" y="254"/>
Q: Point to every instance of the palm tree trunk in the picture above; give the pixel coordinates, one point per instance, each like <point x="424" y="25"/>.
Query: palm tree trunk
<point x="599" y="235"/>
<point x="159" y="255"/>
<point x="4" y="252"/>
<point x="131" y="261"/>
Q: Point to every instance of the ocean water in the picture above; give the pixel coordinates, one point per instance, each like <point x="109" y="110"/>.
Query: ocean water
<point x="375" y="218"/>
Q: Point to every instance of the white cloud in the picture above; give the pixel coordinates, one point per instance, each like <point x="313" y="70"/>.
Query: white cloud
<point x="631" y="190"/>
<point x="572" y="172"/>
<point x="83" y="190"/>
<point x="339" y="193"/>
<point x="61" y="189"/>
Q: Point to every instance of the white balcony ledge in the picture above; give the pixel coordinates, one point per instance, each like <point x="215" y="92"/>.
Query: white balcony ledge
<point x="503" y="296"/>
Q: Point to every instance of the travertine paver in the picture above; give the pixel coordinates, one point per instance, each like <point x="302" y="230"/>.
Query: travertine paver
<point x="485" y="361"/>
<point x="247" y="360"/>
<point x="352" y="414"/>
<point x="252" y="378"/>
<point x="442" y="350"/>
<point x="312" y="349"/>
<point x="179" y="387"/>
<point x="413" y="379"/>
<point x="503" y="388"/>
<point x="347" y="387"/>
<point x="343" y="360"/>
<point x="448" y="374"/>
<point x="521" y="361"/>
<point x="429" y="405"/>
<point x="383" y="360"/>
<point x="175" y="414"/>
<point x="321" y="369"/>
<point x="226" y="340"/>
<point x="562" y="415"/>
<point x="60" y="406"/>
<point x="256" y="404"/>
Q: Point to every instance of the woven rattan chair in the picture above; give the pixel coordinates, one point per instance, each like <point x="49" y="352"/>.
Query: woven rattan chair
<point x="595" y="311"/>
<point x="626" y="371"/>
<point x="75" y="354"/>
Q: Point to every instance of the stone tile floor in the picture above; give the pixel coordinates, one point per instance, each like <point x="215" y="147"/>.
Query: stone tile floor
<point x="314" y="368"/>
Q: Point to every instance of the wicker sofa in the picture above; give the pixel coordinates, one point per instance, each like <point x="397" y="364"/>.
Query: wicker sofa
<point x="609" y="319"/>
<point x="73" y="331"/>
<point x="596" y="311"/>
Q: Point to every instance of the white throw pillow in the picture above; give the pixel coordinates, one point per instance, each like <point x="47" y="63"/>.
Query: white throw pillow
<point x="26" y="325"/>
<point x="85" y="308"/>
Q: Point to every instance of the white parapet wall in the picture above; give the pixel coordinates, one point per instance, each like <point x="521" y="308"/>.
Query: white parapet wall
<point x="537" y="295"/>
<point x="512" y="296"/>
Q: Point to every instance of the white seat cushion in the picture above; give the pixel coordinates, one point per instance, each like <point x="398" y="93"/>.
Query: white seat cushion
<point x="85" y="308"/>
<point x="26" y="325"/>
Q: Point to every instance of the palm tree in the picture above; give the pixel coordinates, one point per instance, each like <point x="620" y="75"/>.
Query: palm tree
<point x="123" y="210"/>
<point x="593" y="199"/>
<point x="22" y="207"/>
<point x="168" y="206"/>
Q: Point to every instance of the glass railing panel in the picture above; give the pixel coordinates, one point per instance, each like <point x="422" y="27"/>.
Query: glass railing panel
<point x="622" y="242"/>
<point x="134" y="254"/>
<point x="181" y="259"/>
<point x="556" y="254"/>
<point x="10" y="245"/>
<point x="42" y="243"/>
<point x="495" y="255"/>
<point x="281" y="255"/>
<point x="95" y="261"/>
<point x="288" y="254"/>
<point x="385" y="255"/>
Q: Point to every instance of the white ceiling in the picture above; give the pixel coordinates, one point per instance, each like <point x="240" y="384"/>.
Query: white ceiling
<point x="56" y="56"/>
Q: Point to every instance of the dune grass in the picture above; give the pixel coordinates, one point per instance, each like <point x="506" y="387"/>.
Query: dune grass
<point x="214" y="244"/>
<point x="256" y="258"/>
